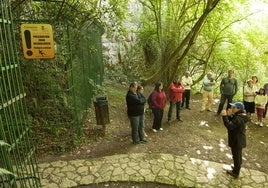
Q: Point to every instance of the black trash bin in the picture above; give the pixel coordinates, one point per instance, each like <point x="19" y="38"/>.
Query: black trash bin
<point x="102" y="110"/>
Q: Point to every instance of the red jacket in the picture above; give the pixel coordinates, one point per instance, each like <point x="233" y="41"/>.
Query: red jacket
<point x="159" y="99"/>
<point x="175" y="92"/>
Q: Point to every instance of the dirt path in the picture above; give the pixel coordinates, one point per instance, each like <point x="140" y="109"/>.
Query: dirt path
<point x="200" y="135"/>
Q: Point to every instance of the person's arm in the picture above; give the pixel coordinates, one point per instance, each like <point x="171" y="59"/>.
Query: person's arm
<point x="176" y="89"/>
<point x="221" y="86"/>
<point x="133" y="99"/>
<point x="142" y="98"/>
<point x="247" y="92"/>
<point x="191" y="81"/>
<point x="231" y="123"/>
<point x="206" y="82"/>
<point x="236" y="87"/>
<point x="154" y="100"/>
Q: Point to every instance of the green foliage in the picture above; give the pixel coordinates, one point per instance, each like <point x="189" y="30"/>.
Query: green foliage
<point x="60" y="90"/>
<point x="230" y="37"/>
<point x="5" y="172"/>
<point x="2" y="170"/>
<point x="2" y="143"/>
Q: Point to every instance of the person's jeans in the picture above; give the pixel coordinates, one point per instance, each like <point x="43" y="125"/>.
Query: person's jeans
<point x="229" y="99"/>
<point x="158" y="116"/>
<point x="178" y="109"/>
<point x="142" y="125"/>
<point x="136" y="128"/>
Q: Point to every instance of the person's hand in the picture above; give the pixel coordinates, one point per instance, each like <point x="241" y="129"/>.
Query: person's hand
<point x="224" y="113"/>
<point x="229" y="111"/>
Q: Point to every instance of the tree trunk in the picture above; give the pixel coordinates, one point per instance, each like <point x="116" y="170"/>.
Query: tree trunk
<point x="171" y="65"/>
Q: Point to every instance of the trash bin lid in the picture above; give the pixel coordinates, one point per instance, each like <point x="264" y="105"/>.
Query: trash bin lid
<point x="100" y="102"/>
<point x="101" y="98"/>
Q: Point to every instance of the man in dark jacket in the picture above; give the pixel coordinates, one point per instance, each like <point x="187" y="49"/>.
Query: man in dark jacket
<point x="135" y="110"/>
<point x="235" y="119"/>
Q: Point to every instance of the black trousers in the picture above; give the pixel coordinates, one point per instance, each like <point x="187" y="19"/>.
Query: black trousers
<point x="237" y="158"/>
<point x="186" y="98"/>
<point x="158" y="116"/>
<point x="229" y="99"/>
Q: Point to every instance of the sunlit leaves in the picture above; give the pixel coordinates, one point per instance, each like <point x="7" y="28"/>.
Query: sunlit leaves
<point x="2" y="143"/>
<point x="5" y="172"/>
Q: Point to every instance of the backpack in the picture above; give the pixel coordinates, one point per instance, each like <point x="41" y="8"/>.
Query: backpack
<point x="149" y="101"/>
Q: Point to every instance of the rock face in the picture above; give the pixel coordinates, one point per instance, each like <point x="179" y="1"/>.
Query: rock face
<point x="115" y="45"/>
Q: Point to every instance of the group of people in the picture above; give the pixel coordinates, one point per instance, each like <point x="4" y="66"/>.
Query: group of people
<point x="179" y="95"/>
<point x="234" y="117"/>
<point x="255" y="97"/>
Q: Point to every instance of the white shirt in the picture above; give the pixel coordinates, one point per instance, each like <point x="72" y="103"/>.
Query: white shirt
<point x="187" y="82"/>
<point x="249" y="91"/>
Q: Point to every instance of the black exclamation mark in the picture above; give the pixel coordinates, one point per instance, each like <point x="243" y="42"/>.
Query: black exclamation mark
<point x="27" y="35"/>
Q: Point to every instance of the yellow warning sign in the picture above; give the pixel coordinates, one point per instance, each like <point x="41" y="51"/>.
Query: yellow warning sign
<point x="37" y="41"/>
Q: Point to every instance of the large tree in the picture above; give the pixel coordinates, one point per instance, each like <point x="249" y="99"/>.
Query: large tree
<point x="176" y="27"/>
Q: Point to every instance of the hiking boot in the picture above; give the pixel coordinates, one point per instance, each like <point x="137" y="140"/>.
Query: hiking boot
<point x="230" y="172"/>
<point x="179" y="120"/>
<point x="144" y="141"/>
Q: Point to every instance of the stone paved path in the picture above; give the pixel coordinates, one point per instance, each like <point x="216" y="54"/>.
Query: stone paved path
<point x="144" y="167"/>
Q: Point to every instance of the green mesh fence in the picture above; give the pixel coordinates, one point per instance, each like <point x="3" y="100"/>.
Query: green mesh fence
<point x="44" y="101"/>
<point x="17" y="153"/>
<point x="60" y="91"/>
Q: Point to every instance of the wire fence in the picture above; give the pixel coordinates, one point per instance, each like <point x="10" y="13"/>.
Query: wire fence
<point x="60" y="90"/>
<point x="44" y="102"/>
<point x="18" y="165"/>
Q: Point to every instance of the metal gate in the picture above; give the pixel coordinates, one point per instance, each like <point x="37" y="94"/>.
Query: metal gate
<point x="18" y="167"/>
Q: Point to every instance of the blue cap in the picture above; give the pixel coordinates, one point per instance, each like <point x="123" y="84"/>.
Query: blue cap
<point x="239" y="105"/>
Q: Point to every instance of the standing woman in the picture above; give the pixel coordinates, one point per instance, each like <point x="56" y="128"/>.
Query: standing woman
<point x="135" y="110"/>
<point x="256" y="83"/>
<point x="159" y="101"/>
<point x="140" y="90"/>
<point x="249" y="97"/>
